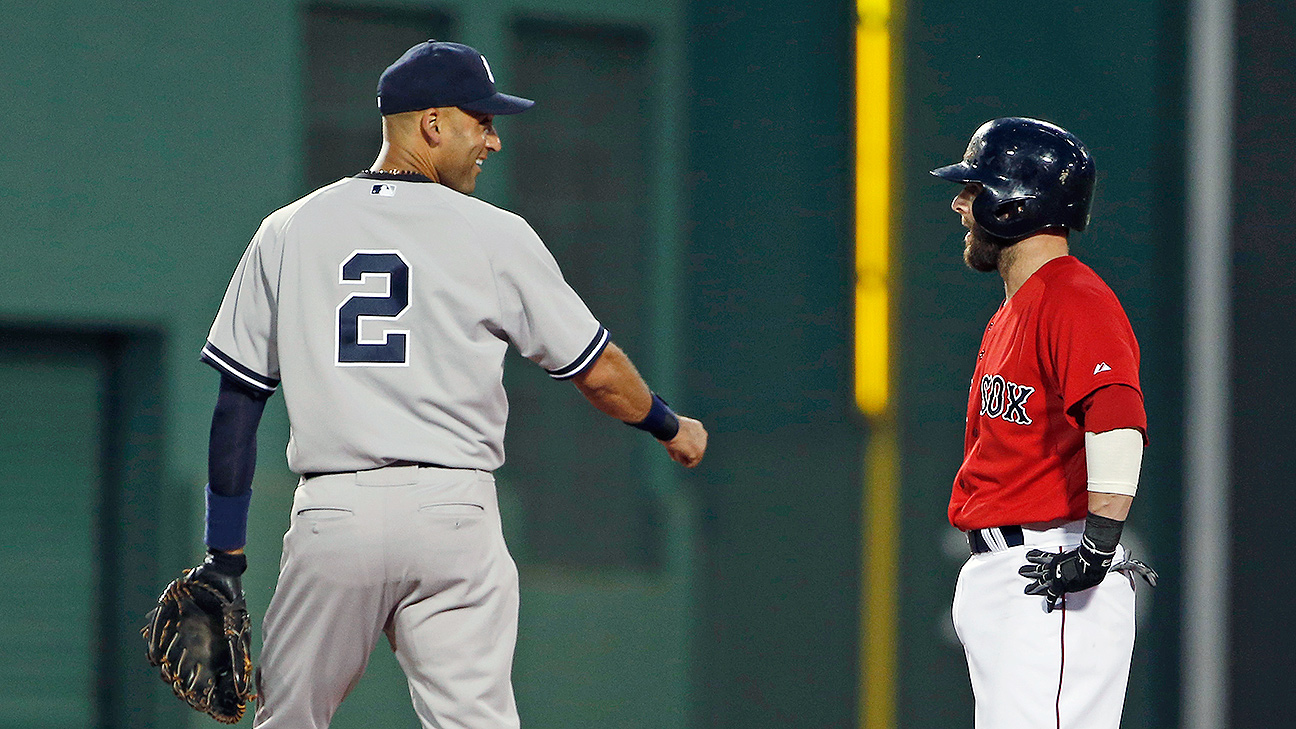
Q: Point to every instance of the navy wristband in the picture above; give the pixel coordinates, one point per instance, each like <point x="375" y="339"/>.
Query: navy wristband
<point x="227" y="520"/>
<point x="661" y="421"/>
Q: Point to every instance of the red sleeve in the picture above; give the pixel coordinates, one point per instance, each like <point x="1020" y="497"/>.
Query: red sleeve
<point x="1111" y="408"/>
<point x="1091" y="344"/>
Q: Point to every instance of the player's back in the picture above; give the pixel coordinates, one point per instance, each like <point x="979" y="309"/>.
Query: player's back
<point x="389" y="338"/>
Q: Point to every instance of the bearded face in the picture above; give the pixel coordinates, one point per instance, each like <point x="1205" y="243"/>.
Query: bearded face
<point x="981" y="251"/>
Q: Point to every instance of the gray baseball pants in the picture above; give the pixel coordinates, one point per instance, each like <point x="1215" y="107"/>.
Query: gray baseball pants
<point x="416" y="553"/>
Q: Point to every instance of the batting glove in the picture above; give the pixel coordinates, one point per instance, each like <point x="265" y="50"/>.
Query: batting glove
<point x="1053" y="574"/>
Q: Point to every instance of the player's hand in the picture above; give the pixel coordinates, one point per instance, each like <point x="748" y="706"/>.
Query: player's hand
<point x="1053" y="574"/>
<point x="689" y="444"/>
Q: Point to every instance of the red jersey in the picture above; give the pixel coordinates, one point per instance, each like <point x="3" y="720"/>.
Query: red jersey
<point x="1062" y="336"/>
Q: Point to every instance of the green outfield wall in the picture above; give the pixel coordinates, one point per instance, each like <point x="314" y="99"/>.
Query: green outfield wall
<point x="769" y="358"/>
<point x="1260" y="644"/>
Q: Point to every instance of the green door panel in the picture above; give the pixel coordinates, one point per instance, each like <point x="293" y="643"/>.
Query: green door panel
<point x="49" y="466"/>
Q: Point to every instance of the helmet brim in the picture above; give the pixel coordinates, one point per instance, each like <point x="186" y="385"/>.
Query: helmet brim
<point x="957" y="172"/>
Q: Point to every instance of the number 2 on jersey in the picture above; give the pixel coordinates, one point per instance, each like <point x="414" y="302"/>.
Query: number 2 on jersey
<point x="390" y="347"/>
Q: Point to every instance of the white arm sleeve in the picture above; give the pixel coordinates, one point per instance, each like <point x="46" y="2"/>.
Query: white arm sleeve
<point x="1114" y="459"/>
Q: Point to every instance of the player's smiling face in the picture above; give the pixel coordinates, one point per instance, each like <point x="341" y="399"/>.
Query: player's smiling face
<point x="467" y="138"/>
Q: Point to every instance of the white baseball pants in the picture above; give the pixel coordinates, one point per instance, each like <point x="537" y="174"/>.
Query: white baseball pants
<point x="1032" y="669"/>
<point x="415" y="553"/>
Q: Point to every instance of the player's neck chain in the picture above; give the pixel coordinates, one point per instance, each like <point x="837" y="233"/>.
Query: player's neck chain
<point x="396" y="172"/>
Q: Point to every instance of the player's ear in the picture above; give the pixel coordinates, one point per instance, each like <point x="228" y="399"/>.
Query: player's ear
<point x="430" y="126"/>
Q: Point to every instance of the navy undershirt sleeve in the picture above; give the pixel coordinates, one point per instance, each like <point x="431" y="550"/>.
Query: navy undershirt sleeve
<point x="231" y="461"/>
<point x="231" y="452"/>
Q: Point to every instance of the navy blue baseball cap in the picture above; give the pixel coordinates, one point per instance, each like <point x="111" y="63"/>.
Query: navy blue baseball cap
<point x="437" y="74"/>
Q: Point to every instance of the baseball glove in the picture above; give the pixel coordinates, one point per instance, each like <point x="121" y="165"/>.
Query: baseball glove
<point x="199" y="635"/>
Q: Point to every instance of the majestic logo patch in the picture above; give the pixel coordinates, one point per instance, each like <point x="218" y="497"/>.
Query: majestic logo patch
<point x="1102" y="367"/>
<point x="1003" y="399"/>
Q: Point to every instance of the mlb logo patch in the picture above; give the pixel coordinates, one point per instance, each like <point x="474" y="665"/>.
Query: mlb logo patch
<point x="383" y="189"/>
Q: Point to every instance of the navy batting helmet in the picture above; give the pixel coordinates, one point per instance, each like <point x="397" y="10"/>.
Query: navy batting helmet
<point x="1033" y="175"/>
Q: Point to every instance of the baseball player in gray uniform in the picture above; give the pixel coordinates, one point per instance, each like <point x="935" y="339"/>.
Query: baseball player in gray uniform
<point x="384" y="304"/>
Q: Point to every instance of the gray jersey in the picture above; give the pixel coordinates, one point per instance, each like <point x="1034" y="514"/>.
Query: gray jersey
<point x="386" y="306"/>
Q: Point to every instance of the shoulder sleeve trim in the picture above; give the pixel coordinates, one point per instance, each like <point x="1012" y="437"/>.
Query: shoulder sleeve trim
<point x="586" y="358"/>
<point x="226" y="364"/>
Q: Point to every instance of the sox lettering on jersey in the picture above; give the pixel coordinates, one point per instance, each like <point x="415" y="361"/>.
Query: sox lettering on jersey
<point x="1001" y="398"/>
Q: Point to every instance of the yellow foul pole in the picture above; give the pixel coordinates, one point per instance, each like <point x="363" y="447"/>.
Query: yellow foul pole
<point x="873" y="380"/>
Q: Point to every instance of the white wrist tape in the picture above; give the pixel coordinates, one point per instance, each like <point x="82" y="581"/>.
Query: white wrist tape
<point x="1114" y="459"/>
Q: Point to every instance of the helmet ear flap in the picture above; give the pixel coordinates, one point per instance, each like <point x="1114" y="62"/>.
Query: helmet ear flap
<point x="1079" y="216"/>
<point x="1005" y="218"/>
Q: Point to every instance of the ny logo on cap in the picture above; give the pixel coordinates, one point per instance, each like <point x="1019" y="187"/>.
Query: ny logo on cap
<point x="489" y="75"/>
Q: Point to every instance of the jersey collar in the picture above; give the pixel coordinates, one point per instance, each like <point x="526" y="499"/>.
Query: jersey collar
<point x="401" y="176"/>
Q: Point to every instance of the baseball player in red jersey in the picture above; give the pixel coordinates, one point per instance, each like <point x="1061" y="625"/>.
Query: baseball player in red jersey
<point x="1053" y="445"/>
